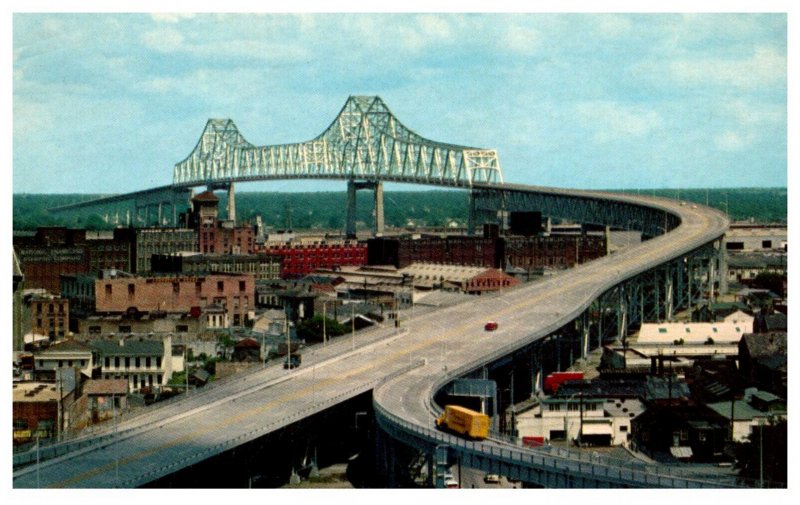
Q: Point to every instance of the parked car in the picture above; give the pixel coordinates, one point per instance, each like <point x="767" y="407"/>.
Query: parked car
<point x="491" y="478"/>
<point x="490" y="326"/>
<point x="450" y="483"/>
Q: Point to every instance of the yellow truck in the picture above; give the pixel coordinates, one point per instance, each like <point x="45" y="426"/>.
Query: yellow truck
<point x="463" y="421"/>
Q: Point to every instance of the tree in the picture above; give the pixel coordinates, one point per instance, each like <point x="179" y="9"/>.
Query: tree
<point x="772" y="281"/>
<point x="224" y="343"/>
<point x="765" y="449"/>
<point x="310" y="330"/>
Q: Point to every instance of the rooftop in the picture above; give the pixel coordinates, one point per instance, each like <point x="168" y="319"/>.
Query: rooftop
<point x="106" y="387"/>
<point x="34" y="392"/>
<point x="130" y="347"/>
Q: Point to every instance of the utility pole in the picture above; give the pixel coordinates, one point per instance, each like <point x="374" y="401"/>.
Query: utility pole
<point x="324" y="324"/>
<point x="353" y="325"/>
<point x="761" y="453"/>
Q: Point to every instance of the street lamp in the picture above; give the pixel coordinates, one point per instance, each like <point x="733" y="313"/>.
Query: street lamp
<point x="324" y="323"/>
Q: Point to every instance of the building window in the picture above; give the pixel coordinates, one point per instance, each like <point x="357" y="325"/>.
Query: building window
<point x="138" y="362"/>
<point x="108" y="289"/>
<point x="220" y="286"/>
<point x="766" y="244"/>
<point x="701" y="436"/>
<point x="127" y="363"/>
<point x="94" y="330"/>
<point x="107" y="362"/>
<point x="147" y="362"/>
<point x="124" y="328"/>
<point x="241" y="285"/>
<point x="158" y="361"/>
<point x="116" y="361"/>
<point x="182" y="328"/>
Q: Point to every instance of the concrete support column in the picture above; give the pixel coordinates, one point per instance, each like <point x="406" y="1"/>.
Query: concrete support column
<point x="350" y="229"/>
<point x="441" y="464"/>
<point x="669" y="308"/>
<point x="232" y="204"/>
<point x="471" y="217"/>
<point x="584" y="335"/>
<point x="723" y="267"/>
<point x="379" y="223"/>
<point x="622" y="314"/>
<point x="160" y="213"/>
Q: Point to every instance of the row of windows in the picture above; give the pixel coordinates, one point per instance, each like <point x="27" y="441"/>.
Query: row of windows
<point x="572" y="407"/>
<point x="137" y="361"/>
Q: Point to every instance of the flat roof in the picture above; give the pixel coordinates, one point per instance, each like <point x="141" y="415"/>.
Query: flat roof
<point x="35" y="392"/>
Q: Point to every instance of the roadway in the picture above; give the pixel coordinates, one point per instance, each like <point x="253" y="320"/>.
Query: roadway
<point x="525" y="315"/>
<point x="435" y="346"/>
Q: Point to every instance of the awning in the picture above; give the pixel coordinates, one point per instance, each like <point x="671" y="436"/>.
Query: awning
<point x="681" y="452"/>
<point x="32" y="338"/>
<point x="597" y="429"/>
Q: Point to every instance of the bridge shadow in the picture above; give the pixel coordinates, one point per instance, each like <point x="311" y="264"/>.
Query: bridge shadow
<point x="340" y="434"/>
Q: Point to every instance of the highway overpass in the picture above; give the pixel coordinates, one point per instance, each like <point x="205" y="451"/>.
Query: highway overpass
<point x="404" y="369"/>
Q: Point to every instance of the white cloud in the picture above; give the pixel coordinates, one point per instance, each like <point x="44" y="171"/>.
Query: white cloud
<point x="165" y="40"/>
<point x="733" y="141"/>
<point x="522" y="39"/>
<point x="171" y="17"/>
<point x="766" y="66"/>
<point x="613" y="121"/>
<point x="613" y="25"/>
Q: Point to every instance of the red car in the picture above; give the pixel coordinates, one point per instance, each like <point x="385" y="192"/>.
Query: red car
<point x="490" y="326"/>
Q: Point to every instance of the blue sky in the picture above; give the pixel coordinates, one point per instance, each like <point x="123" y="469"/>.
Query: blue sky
<point x="109" y="103"/>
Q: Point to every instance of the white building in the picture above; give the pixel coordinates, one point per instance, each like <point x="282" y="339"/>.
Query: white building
<point x="730" y="330"/>
<point x="69" y="353"/>
<point x="596" y="421"/>
<point x="141" y="362"/>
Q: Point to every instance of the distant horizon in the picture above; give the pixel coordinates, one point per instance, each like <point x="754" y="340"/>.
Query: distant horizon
<point x="239" y="191"/>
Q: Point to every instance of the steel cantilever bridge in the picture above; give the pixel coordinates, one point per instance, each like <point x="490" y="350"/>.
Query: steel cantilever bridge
<point x="678" y="265"/>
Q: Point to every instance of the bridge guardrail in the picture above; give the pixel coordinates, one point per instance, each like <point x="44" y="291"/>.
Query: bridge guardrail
<point x="647" y="477"/>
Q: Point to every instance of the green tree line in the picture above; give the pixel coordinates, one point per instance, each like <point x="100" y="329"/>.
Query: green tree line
<point x="434" y="208"/>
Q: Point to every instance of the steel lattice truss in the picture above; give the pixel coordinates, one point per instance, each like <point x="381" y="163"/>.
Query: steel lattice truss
<point x="364" y="142"/>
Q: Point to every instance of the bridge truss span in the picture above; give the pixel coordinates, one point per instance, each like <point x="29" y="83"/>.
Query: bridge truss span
<point x="364" y="142"/>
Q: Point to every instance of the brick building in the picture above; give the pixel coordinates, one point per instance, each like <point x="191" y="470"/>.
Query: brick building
<point x="49" y="316"/>
<point x="216" y="236"/>
<point x="35" y="411"/>
<point x="235" y="294"/>
<point x="150" y="241"/>
<point x="261" y="266"/>
<point x="490" y="251"/>
<point x="43" y="262"/>
<point x="300" y="260"/>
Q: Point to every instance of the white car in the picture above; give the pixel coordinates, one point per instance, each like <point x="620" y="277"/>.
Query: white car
<point x="491" y="478"/>
<point x="450" y="482"/>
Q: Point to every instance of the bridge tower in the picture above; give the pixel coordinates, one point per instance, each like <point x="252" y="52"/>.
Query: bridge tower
<point x="352" y="187"/>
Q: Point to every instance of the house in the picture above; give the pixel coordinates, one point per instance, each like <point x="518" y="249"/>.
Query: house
<point x="680" y="429"/>
<point x="141" y="362"/>
<point x="763" y="359"/>
<point x="69" y="353"/>
<point x="107" y="398"/>
<point x="746" y="414"/>
<point x="247" y="349"/>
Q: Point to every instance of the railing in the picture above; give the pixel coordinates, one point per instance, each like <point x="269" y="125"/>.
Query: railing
<point x="596" y="469"/>
<point x="313" y="408"/>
